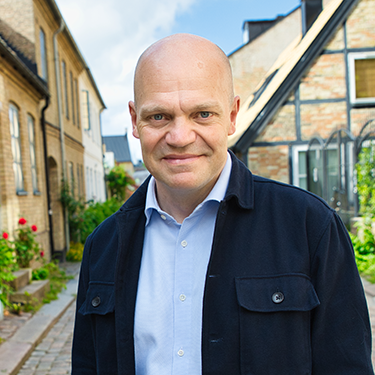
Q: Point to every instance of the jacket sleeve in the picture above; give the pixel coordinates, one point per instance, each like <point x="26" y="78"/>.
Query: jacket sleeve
<point x="83" y="350"/>
<point x="340" y="331"/>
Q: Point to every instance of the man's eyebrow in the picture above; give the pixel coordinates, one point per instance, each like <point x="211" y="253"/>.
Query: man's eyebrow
<point x="153" y="109"/>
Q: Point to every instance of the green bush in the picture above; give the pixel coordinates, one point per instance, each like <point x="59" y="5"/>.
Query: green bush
<point x="6" y="264"/>
<point x="364" y="249"/>
<point x="84" y="217"/>
<point x="365" y="169"/>
<point x="75" y="252"/>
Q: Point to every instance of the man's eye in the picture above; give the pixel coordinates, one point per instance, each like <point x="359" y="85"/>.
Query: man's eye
<point x="157" y="117"/>
<point x="205" y="114"/>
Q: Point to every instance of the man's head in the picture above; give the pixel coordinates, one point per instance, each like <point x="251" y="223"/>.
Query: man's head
<point x="183" y="111"/>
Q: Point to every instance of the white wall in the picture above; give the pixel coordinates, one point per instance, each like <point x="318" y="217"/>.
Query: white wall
<point x="92" y="141"/>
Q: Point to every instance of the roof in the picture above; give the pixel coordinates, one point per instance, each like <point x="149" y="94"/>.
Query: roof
<point x="19" y="57"/>
<point x="284" y="76"/>
<point x="259" y="27"/>
<point x="58" y="16"/>
<point x="119" y="145"/>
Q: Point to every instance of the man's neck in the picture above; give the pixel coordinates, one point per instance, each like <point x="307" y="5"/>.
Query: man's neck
<point x="180" y="203"/>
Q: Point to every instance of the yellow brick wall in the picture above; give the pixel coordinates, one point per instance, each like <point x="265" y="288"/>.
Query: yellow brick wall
<point x="282" y="127"/>
<point x="14" y="89"/>
<point x="360" y="25"/>
<point x="325" y="79"/>
<point x="322" y="119"/>
<point x="270" y="162"/>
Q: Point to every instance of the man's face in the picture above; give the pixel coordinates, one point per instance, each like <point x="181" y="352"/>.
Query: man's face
<point x="183" y="118"/>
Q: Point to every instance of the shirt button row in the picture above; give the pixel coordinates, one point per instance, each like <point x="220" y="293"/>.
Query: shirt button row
<point x="180" y="352"/>
<point x="184" y="243"/>
<point x="182" y="297"/>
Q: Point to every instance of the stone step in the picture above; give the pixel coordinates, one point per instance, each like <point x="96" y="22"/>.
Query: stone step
<point x="22" y="278"/>
<point x="28" y="294"/>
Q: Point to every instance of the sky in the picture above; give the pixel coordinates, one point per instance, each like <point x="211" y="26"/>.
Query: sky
<point x="112" y="34"/>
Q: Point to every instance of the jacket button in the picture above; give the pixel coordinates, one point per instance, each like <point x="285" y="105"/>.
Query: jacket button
<point x="95" y="301"/>
<point x="278" y="297"/>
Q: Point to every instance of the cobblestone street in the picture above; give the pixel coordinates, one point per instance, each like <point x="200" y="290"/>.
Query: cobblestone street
<point x="52" y="355"/>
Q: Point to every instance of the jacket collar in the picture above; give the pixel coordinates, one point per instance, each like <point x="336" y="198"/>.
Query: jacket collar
<point x="241" y="184"/>
<point x="240" y="187"/>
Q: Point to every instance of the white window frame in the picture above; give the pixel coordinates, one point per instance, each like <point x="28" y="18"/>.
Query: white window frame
<point x="14" y="122"/>
<point x="295" y="163"/>
<point x="43" y="54"/>
<point x="34" y="175"/>
<point x="352" y="57"/>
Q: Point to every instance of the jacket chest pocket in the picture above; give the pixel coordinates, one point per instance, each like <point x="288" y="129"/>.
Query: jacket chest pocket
<point x="99" y="307"/>
<point x="275" y="324"/>
<point x="100" y="299"/>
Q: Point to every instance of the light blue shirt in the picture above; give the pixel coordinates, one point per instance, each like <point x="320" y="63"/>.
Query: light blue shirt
<point x="168" y="313"/>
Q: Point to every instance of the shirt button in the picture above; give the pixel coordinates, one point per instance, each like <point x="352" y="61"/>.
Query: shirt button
<point x="180" y="352"/>
<point x="163" y="217"/>
<point x="278" y="297"/>
<point x="184" y="243"/>
<point x="182" y="297"/>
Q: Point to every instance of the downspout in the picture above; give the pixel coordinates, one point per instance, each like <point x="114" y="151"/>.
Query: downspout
<point x="46" y="167"/>
<point x="61" y="125"/>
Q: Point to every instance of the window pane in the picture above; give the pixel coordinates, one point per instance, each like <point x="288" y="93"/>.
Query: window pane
<point x="65" y="89"/>
<point x="72" y="98"/>
<point x="16" y="147"/>
<point x="43" y="54"/>
<point x="34" y="177"/>
<point x="365" y="78"/>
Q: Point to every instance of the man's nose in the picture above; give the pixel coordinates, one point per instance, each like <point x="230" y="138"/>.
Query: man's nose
<point x="180" y="133"/>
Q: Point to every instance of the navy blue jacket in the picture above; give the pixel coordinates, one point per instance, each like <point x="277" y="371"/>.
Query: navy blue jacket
<point x="282" y="293"/>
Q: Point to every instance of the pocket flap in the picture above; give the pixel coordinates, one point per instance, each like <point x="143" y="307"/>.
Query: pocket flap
<point x="289" y="292"/>
<point x="100" y="299"/>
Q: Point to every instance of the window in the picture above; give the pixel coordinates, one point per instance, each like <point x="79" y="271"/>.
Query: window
<point x="16" y="147"/>
<point x="299" y="166"/>
<point x="78" y="181"/>
<point x="65" y="83"/>
<point x="72" y="97"/>
<point x="77" y="103"/>
<point x="34" y="176"/>
<point x="88" y="192"/>
<point x="71" y="172"/>
<point x="362" y="77"/>
<point x="43" y="55"/>
<point x="86" y="123"/>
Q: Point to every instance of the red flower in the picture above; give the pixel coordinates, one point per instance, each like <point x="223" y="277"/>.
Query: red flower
<point x="22" y="221"/>
<point x="5" y="235"/>
<point x="34" y="228"/>
<point x="42" y="254"/>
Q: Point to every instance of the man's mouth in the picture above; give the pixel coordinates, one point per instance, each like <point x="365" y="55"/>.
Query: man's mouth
<point x="181" y="159"/>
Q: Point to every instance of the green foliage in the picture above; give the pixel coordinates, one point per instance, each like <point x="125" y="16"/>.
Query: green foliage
<point x="58" y="279"/>
<point x="85" y="217"/>
<point x="366" y="180"/>
<point x="6" y="264"/>
<point x="25" y="245"/>
<point x="364" y="249"/>
<point x="75" y="252"/>
<point x="118" y="180"/>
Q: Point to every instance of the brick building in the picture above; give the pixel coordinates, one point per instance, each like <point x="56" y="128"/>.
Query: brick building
<point x="303" y="123"/>
<point x="36" y="31"/>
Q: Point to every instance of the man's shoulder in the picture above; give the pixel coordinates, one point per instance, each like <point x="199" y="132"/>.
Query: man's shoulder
<point x="291" y="203"/>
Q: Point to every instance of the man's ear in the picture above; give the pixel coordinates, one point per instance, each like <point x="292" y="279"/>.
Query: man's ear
<point x="133" y="115"/>
<point x="233" y="115"/>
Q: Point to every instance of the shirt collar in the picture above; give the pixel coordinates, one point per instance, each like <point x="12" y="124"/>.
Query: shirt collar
<point x="216" y="194"/>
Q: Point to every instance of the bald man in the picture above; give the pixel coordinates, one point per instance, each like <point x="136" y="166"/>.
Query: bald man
<point x="208" y="269"/>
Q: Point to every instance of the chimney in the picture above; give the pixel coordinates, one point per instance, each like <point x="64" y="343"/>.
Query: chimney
<point x="310" y="12"/>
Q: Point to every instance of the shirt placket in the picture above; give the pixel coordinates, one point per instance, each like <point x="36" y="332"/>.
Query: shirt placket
<point x="182" y="300"/>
